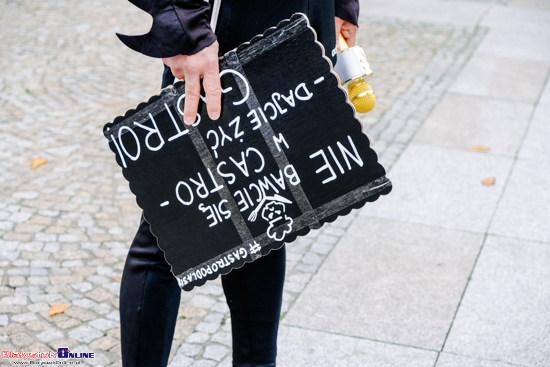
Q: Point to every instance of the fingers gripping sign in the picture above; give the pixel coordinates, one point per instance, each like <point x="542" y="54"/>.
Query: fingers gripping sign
<point x="202" y="65"/>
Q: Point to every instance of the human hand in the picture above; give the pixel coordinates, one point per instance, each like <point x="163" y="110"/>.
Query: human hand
<point x="348" y="30"/>
<point x="202" y="65"/>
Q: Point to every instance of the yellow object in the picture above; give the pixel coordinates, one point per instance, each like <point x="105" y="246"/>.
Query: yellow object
<point x="58" y="308"/>
<point x="38" y="162"/>
<point x="361" y="96"/>
<point x="477" y="148"/>
<point x="342" y="43"/>
<point x="360" y="93"/>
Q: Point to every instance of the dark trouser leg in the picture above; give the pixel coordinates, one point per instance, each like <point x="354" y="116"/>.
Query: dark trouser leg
<point x="254" y="294"/>
<point x="149" y="302"/>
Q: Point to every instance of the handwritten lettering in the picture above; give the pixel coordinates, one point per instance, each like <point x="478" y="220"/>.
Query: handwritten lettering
<point x="274" y="107"/>
<point x="346" y="155"/>
<point x="239" y="254"/>
<point x="185" y="193"/>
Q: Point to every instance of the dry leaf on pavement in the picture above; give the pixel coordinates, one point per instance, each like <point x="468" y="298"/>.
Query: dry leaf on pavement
<point x="38" y="162"/>
<point x="58" y="308"/>
<point x="489" y="181"/>
<point x="477" y="148"/>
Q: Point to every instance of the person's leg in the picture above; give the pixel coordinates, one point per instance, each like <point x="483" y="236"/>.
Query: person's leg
<point x="149" y="302"/>
<point x="254" y="294"/>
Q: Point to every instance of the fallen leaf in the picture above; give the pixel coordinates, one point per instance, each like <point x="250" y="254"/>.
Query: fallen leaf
<point x="58" y="308"/>
<point x="117" y="279"/>
<point x="489" y="181"/>
<point x="37" y="162"/>
<point x="477" y="148"/>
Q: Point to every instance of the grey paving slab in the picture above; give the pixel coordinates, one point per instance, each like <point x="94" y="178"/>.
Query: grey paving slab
<point x="462" y="120"/>
<point x="523" y="210"/>
<point x="530" y="4"/>
<point x="454" y="360"/>
<point x="545" y="97"/>
<point x="502" y="77"/>
<point x="389" y="281"/>
<point x="505" y="313"/>
<point x="434" y="11"/>
<point x="305" y="348"/>
<point x="443" y="187"/>
<point x="518" y="44"/>
<point x="535" y="146"/>
<point x="519" y="20"/>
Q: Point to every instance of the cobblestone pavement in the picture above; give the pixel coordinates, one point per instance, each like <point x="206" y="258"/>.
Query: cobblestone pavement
<point x="65" y="226"/>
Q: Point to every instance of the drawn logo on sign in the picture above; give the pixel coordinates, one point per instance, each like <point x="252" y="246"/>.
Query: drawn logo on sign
<point x="274" y="213"/>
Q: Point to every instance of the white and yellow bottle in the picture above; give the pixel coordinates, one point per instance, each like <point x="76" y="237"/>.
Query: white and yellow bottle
<point x="353" y="69"/>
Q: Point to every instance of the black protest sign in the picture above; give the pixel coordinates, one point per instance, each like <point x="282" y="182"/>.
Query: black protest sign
<point x="286" y="156"/>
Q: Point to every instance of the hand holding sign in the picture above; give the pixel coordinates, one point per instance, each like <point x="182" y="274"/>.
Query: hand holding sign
<point x="202" y="65"/>
<point x="286" y="155"/>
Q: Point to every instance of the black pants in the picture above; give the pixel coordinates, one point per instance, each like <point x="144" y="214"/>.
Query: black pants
<point x="150" y="297"/>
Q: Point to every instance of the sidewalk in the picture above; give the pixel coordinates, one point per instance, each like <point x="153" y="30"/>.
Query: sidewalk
<point x="445" y="271"/>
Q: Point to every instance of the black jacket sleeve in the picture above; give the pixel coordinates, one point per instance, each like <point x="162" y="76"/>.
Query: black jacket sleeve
<point x="347" y="10"/>
<point x="180" y="27"/>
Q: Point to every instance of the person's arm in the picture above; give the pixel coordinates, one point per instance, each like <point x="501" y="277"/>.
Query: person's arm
<point x="182" y="37"/>
<point x="180" y="27"/>
<point x="346" y="21"/>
